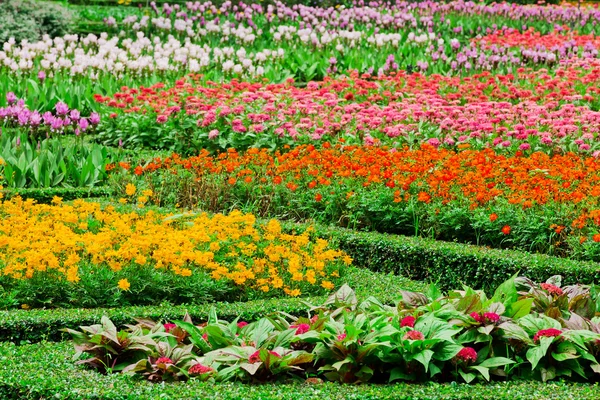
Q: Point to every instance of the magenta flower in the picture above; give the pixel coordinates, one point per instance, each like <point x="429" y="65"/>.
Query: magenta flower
<point x="551" y="332"/>
<point x="408" y="321"/>
<point x="467" y="355"/>
<point x="414" y="335"/>
<point x="61" y="108"/>
<point x="300" y="328"/>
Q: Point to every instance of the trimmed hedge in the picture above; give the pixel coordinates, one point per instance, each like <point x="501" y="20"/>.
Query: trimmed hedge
<point x="46" y="370"/>
<point x="45" y="195"/>
<point x="450" y="264"/>
<point x="23" y="326"/>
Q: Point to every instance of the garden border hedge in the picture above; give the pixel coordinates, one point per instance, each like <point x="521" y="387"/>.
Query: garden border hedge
<point x="45" y="195"/>
<point x="46" y="370"/>
<point x="23" y="326"/>
<point x="449" y="264"/>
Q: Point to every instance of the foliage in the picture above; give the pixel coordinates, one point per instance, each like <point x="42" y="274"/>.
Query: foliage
<point x="30" y="19"/>
<point x="465" y="334"/>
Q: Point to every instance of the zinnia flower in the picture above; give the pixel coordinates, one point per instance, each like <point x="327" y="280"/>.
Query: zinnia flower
<point x="546" y="333"/>
<point x="467" y="354"/>
<point x="408" y="321"/>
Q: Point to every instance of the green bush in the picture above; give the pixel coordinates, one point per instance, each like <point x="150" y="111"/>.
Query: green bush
<point x="45" y="370"/>
<point x="35" y="325"/>
<point x="45" y="195"/>
<point x="449" y="264"/>
<point x="30" y="19"/>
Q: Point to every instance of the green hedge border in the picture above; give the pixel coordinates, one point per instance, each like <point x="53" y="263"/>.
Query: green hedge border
<point x="45" y="195"/>
<point x="28" y="326"/>
<point x="449" y="264"/>
<point x="46" y="370"/>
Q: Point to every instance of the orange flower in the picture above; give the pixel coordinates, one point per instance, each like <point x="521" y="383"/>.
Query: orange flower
<point x="138" y="170"/>
<point x="277" y="180"/>
<point x="493" y="217"/>
<point x="424" y="197"/>
<point x="232" y="181"/>
<point x="292" y="186"/>
<point x="318" y="197"/>
<point x="596" y="237"/>
<point x="506" y="229"/>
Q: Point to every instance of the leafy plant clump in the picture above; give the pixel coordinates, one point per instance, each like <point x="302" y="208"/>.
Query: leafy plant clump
<point x="30" y="20"/>
<point x="525" y="330"/>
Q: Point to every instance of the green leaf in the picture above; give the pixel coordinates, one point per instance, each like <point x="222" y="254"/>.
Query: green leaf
<point x="424" y="357"/>
<point x="495" y="362"/>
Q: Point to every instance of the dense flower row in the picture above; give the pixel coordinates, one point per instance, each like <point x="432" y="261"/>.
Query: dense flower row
<point x="522" y="111"/>
<point x="525" y="330"/>
<point x="54" y="242"/>
<point x="62" y="121"/>
<point x="537" y="202"/>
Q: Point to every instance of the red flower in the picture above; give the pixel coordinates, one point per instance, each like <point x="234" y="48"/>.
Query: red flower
<point x="199" y="369"/>
<point x="169" y="327"/>
<point x="242" y="324"/>
<point x="491" y="317"/>
<point x="550" y="288"/>
<point x="341" y="336"/>
<point x="546" y="333"/>
<point x="254" y="357"/>
<point x="414" y="335"/>
<point x="467" y="354"/>
<point x="506" y="229"/>
<point x="408" y="321"/>
<point x="493" y="217"/>
<point x="476" y="317"/>
<point x="163" y="360"/>
<point x="138" y="170"/>
<point x="318" y="197"/>
<point x="300" y="328"/>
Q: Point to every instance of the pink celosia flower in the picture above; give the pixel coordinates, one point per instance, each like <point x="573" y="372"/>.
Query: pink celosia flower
<point x="476" y="317"/>
<point x="414" y="335"/>
<point x="199" y="369"/>
<point x="467" y="355"/>
<point x="550" y="288"/>
<point x="408" y="321"/>
<point x="164" y="360"/>
<point x="341" y="336"/>
<point x="551" y="332"/>
<point x="242" y="324"/>
<point x="491" y="317"/>
<point x="169" y="327"/>
<point x="300" y="328"/>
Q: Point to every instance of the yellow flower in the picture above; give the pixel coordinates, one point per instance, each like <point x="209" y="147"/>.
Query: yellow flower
<point x="56" y="200"/>
<point x="327" y="285"/>
<point x="142" y="199"/>
<point x="147" y="193"/>
<point x="130" y="189"/>
<point x="124" y="284"/>
<point x="123" y="200"/>
<point x="25" y="306"/>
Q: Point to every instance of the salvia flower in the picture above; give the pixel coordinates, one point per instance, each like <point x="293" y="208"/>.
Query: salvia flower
<point x="467" y="355"/>
<point x="414" y="335"/>
<point x="552" y="289"/>
<point x="551" y="332"/>
<point x="408" y="321"/>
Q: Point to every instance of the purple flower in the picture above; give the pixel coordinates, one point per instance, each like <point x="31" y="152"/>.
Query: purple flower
<point x="11" y="98"/>
<point x="41" y="76"/>
<point x="83" y="124"/>
<point x="94" y="118"/>
<point x="67" y="121"/>
<point x="56" y="123"/>
<point x="35" y="118"/>
<point x="61" y="108"/>
<point x="74" y="114"/>
<point x="48" y="118"/>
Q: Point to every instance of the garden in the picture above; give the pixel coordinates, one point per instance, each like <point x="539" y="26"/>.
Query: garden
<point x="299" y="199"/>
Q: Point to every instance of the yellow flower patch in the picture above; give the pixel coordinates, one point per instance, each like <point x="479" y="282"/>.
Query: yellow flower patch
<point x="55" y="239"/>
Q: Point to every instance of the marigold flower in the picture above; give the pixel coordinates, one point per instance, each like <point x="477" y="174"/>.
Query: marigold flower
<point x="467" y="355"/>
<point x="408" y="321"/>
<point x="552" y="289"/>
<point x="124" y="284"/>
<point x="551" y="332"/>
<point x="130" y="189"/>
<point x="414" y="335"/>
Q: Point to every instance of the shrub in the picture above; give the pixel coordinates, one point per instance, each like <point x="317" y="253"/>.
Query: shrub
<point x="30" y="19"/>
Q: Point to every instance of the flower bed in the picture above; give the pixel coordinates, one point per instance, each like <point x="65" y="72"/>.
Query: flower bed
<point x="88" y="255"/>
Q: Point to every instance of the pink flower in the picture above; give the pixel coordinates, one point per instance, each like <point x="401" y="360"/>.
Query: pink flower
<point x="467" y="354"/>
<point x="524" y="146"/>
<point x="414" y="335"/>
<point x="341" y="336"/>
<point x="199" y="369"/>
<point x="161" y="119"/>
<point x="491" y="317"/>
<point x="408" y="321"/>
<point x="476" y="317"/>
<point x="169" y="327"/>
<point x="163" y="360"/>
<point x="242" y="324"/>
<point x="550" y="288"/>
<point x="546" y="333"/>
<point x="254" y="357"/>
<point x="300" y="328"/>
<point x="213" y="134"/>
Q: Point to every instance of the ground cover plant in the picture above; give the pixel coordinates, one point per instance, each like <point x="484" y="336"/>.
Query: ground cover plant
<point x="190" y="192"/>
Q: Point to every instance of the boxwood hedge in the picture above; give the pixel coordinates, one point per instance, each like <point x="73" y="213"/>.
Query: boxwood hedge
<point x="23" y="326"/>
<point x="46" y="370"/>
